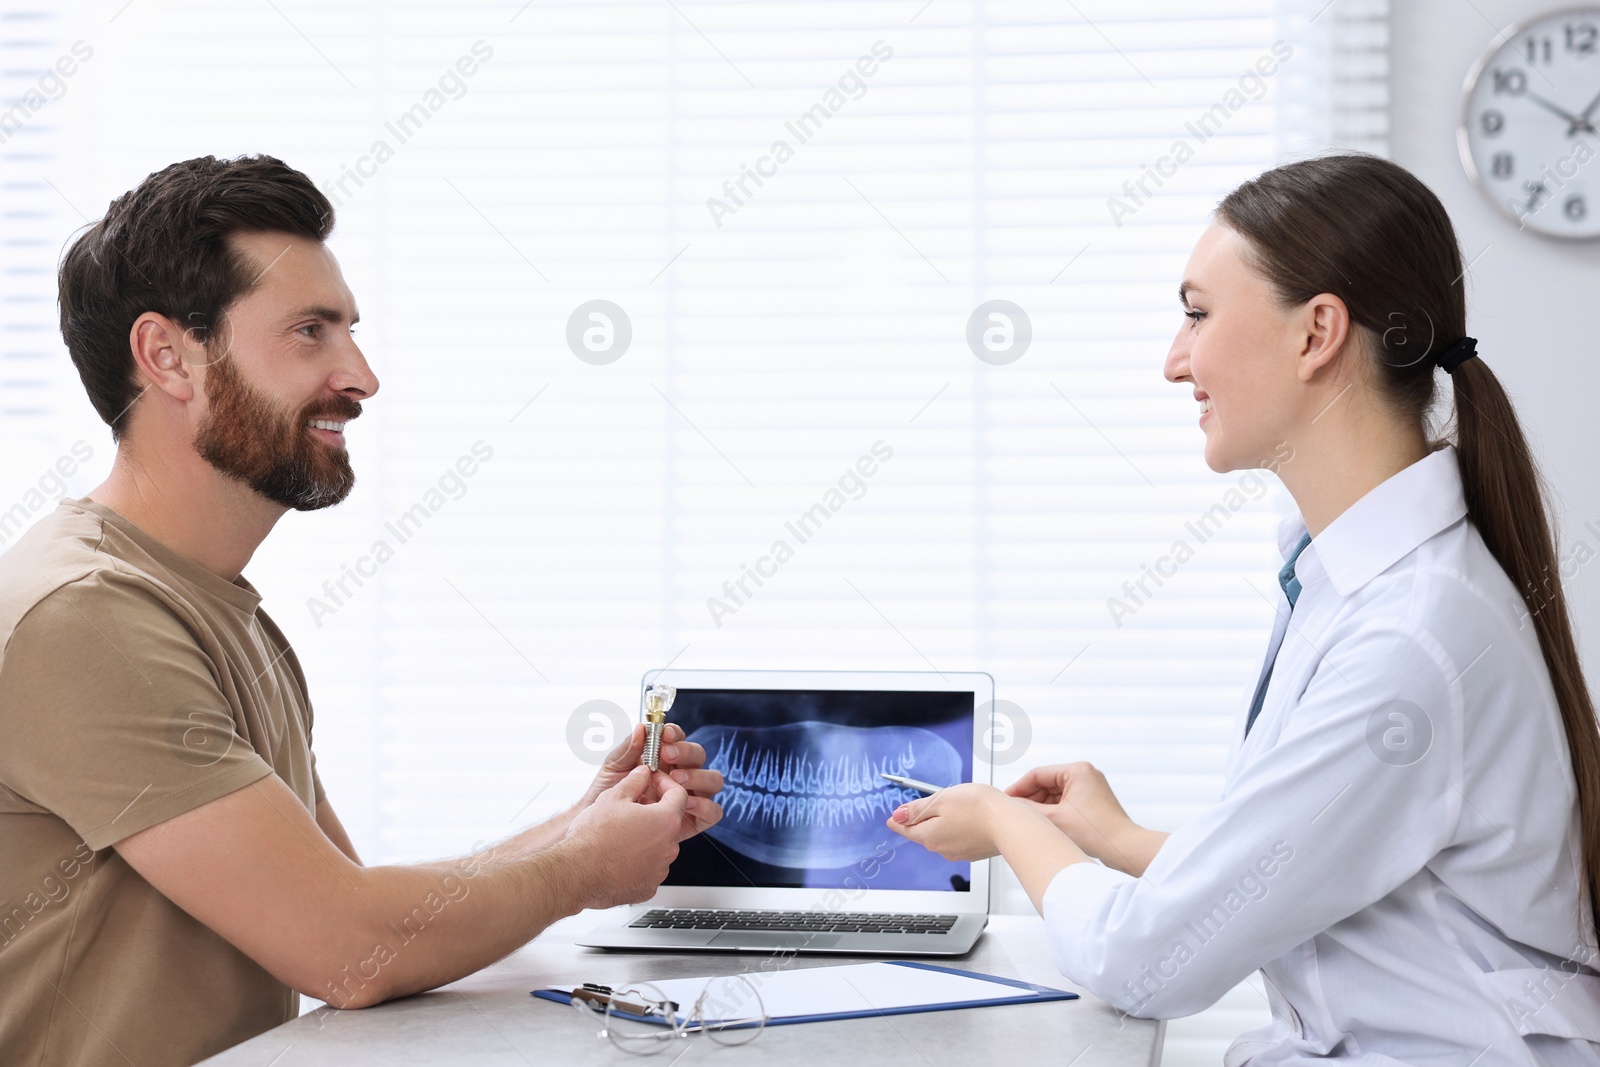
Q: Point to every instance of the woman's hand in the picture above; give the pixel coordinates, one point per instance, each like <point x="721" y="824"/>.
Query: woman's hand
<point x="1078" y="800"/>
<point x="958" y="823"/>
<point x="974" y="822"/>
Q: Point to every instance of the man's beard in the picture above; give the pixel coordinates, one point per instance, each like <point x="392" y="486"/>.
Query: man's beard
<point x="247" y="437"/>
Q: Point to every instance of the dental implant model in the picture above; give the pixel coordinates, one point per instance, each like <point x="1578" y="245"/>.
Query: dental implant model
<point x="657" y="700"/>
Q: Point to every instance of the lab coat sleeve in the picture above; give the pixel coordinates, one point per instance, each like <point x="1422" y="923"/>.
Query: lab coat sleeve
<point x="1359" y="792"/>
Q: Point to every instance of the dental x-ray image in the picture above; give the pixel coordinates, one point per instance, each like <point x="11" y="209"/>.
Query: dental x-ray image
<point x="803" y="801"/>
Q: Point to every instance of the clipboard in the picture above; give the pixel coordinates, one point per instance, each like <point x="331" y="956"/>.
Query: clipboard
<point x="854" y="991"/>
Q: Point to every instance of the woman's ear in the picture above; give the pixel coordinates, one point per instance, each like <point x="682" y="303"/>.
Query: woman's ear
<point x="1324" y="327"/>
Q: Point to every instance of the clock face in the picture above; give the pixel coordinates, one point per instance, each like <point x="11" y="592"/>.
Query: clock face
<point x="1530" y="123"/>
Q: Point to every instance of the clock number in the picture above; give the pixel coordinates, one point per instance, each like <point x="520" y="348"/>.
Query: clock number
<point x="1536" y="194"/>
<point x="1510" y="82"/>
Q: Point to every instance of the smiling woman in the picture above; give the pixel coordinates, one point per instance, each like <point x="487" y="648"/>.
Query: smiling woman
<point x="1433" y="843"/>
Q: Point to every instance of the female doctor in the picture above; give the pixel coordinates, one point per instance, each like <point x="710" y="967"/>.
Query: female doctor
<point x="1408" y="841"/>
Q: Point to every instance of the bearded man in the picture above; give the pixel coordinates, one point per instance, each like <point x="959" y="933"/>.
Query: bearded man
<point x="172" y="873"/>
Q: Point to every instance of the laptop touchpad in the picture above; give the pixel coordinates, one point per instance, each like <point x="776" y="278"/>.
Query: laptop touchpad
<point x="798" y="939"/>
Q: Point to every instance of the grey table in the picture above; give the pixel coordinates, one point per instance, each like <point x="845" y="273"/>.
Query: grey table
<point x="489" y="1019"/>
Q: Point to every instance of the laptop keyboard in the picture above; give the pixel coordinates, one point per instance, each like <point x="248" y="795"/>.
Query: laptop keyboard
<point x="808" y="921"/>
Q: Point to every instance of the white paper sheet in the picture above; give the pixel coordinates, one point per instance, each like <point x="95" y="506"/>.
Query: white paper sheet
<point x="857" y="987"/>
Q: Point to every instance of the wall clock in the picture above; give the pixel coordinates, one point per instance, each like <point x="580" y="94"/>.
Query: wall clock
<point x="1529" y="132"/>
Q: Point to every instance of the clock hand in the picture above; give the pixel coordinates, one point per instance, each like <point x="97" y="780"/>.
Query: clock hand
<point x="1542" y="102"/>
<point x="1574" y="122"/>
<point x="1592" y="105"/>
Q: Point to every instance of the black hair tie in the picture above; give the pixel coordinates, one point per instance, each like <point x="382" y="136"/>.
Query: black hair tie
<point x="1457" y="354"/>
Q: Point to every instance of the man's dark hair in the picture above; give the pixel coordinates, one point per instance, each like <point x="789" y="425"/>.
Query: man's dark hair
<point x="163" y="247"/>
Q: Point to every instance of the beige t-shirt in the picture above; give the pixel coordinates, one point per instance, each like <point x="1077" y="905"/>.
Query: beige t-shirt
<point x="134" y="686"/>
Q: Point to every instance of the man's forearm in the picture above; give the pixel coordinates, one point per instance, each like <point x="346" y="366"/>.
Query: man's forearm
<point x="434" y="923"/>
<point x="542" y="835"/>
<point x="521" y="845"/>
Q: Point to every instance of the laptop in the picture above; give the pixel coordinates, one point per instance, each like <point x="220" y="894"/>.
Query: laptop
<point x="802" y="860"/>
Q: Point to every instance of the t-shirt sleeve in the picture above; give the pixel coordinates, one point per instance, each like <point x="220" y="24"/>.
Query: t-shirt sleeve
<point x="286" y="656"/>
<point x="114" y="718"/>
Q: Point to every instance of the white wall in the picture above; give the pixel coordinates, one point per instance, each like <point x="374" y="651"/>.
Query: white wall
<point x="1531" y="300"/>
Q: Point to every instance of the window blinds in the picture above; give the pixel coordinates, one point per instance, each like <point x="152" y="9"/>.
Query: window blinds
<point x="648" y="286"/>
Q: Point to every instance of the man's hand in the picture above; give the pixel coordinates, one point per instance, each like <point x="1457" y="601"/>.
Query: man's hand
<point x="624" y="843"/>
<point x="1078" y="800"/>
<point x="682" y="763"/>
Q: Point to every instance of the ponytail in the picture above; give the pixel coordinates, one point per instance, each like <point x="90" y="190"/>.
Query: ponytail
<point x="1505" y="503"/>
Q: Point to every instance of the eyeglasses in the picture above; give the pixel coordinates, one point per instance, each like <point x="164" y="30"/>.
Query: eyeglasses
<point x="641" y="1020"/>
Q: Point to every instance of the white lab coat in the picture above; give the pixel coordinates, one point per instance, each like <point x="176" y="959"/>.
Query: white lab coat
<point x="1396" y="846"/>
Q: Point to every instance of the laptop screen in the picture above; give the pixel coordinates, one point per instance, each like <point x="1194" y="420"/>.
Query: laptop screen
<point x="803" y="804"/>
